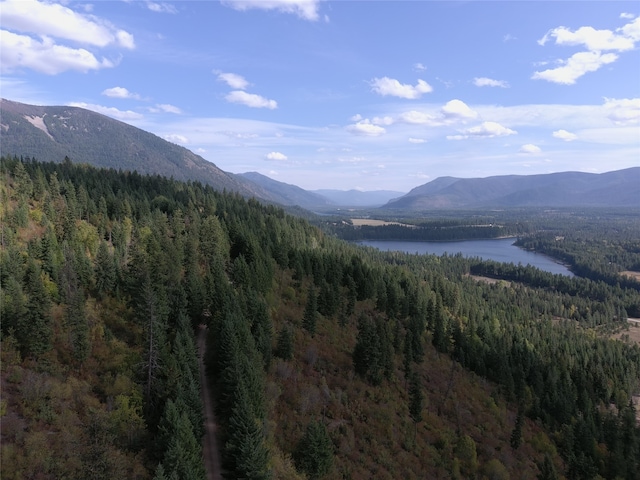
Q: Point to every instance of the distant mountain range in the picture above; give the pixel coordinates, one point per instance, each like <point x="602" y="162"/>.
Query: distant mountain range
<point x="567" y="189"/>
<point x="358" y="198"/>
<point x="51" y="133"/>
<point x="287" y="194"/>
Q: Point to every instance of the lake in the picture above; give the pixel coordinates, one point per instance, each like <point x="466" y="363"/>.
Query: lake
<point x="500" y="249"/>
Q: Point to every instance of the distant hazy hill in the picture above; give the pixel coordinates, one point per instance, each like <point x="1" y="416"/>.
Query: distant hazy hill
<point x="51" y="133"/>
<point x="568" y="189"/>
<point x="285" y="193"/>
<point x="357" y="198"/>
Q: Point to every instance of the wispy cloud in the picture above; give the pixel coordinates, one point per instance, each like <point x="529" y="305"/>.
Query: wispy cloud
<point x="109" y="111"/>
<point x="484" y="130"/>
<point x="366" y="128"/>
<point x="161" y="7"/>
<point x="233" y="80"/>
<point x="305" y="9"/>
<point x="489" y="82"/>
<point x="530" y="149"/>
<point x="175" y="138"/>
<point x="251" y="100"/>
<point x="168" y="108"/>
<point x="624" y="111"/>
<point x="120" y="92"/>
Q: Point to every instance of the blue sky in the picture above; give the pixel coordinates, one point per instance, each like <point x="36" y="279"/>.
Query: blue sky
<point x="346" y="94"/>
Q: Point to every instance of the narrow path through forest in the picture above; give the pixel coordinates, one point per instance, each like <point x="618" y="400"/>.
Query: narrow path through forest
<point x="211" y="451"/>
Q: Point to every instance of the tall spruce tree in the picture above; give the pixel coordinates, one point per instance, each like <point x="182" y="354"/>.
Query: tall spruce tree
<point x="314" y="454"/>
<point x="311" y="312"/>
<point x="35" y="331"/>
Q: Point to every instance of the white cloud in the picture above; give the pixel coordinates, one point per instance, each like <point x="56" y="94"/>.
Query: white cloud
<point x="251" y="100"/>
<point x="352" y="160"/>
<point x="120" y="92"/>
<point x="167" y="108"/>
<point x="416" y="140"/>
<point x="234" y="80"/>
<point x="414" y="117"/>
<point x="419" y="67"/>
<point x="277" y="156"/>
<point x="484" y="130"/>
<point x="564" y="135"/>
<point x="125" y="39"/>
<point x="109" y="111"/>
<point x="161" y="7"/>
<point x="21" y="51"/>
<point x="386" y="120"/>
<point x="530" y="148"/>
<point x="55" y="20"/>
<point x="625" y="111"/>
<point x="305" y="9"/>
<point x="366" y="128"/>
<point x="457" y="109"/>
<point x="356" y="118"/>
<point x="175" y="138"/>
<point x="595" y="41"/>
<point x="628" y="16"/>
<point x="575" y="67"/>
<point x="389" y="86"/>
<point x="489" y="82"/>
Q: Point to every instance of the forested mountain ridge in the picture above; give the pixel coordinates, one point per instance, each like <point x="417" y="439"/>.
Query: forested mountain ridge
<point x="50" y="134"/>
<point x="327" y="360"/>
<point x="565" y="189"/>
<point x="286" y="194"/>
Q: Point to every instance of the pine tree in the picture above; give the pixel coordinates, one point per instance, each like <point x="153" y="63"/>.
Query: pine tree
<point x="516" y="433"/>
<point x="284" y="347"/>
<point x="416" y="400"/>
<point x="184" y="452"/>
<point x="247" y="454"/>
<point x="314" y="455"/>
<point x="547" y="469"/>
<point x="105" y="270"/>
<point x="311" y="312"/>
<point x="35" y="331"/>
<point x="78" y="326"/>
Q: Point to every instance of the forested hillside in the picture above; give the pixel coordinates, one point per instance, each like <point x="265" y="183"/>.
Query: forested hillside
<point x="326" y="360"/>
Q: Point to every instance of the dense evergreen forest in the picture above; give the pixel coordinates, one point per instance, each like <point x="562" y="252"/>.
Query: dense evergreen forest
<point x="437" y="230"/>
<point x="326" y="360"/>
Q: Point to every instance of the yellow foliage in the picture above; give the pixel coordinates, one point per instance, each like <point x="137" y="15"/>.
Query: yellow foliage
<point x="88" y="236"/>
<point x="49" y="285"/>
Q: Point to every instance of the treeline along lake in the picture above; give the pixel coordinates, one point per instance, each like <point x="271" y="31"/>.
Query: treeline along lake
<point x="500" y="250"/>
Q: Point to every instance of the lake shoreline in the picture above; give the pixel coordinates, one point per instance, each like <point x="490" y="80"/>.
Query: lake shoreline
<point x="493" y="249"/>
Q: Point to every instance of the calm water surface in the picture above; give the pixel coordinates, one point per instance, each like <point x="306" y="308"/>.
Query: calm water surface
<point x="500" y="250"/>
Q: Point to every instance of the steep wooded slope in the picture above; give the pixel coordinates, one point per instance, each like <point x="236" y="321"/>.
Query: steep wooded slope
<point x="394" y="366"/>
<point x="50" y="134"/>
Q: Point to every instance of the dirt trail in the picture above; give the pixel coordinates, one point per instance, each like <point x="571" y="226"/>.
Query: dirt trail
<point x="211" y="450"/>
